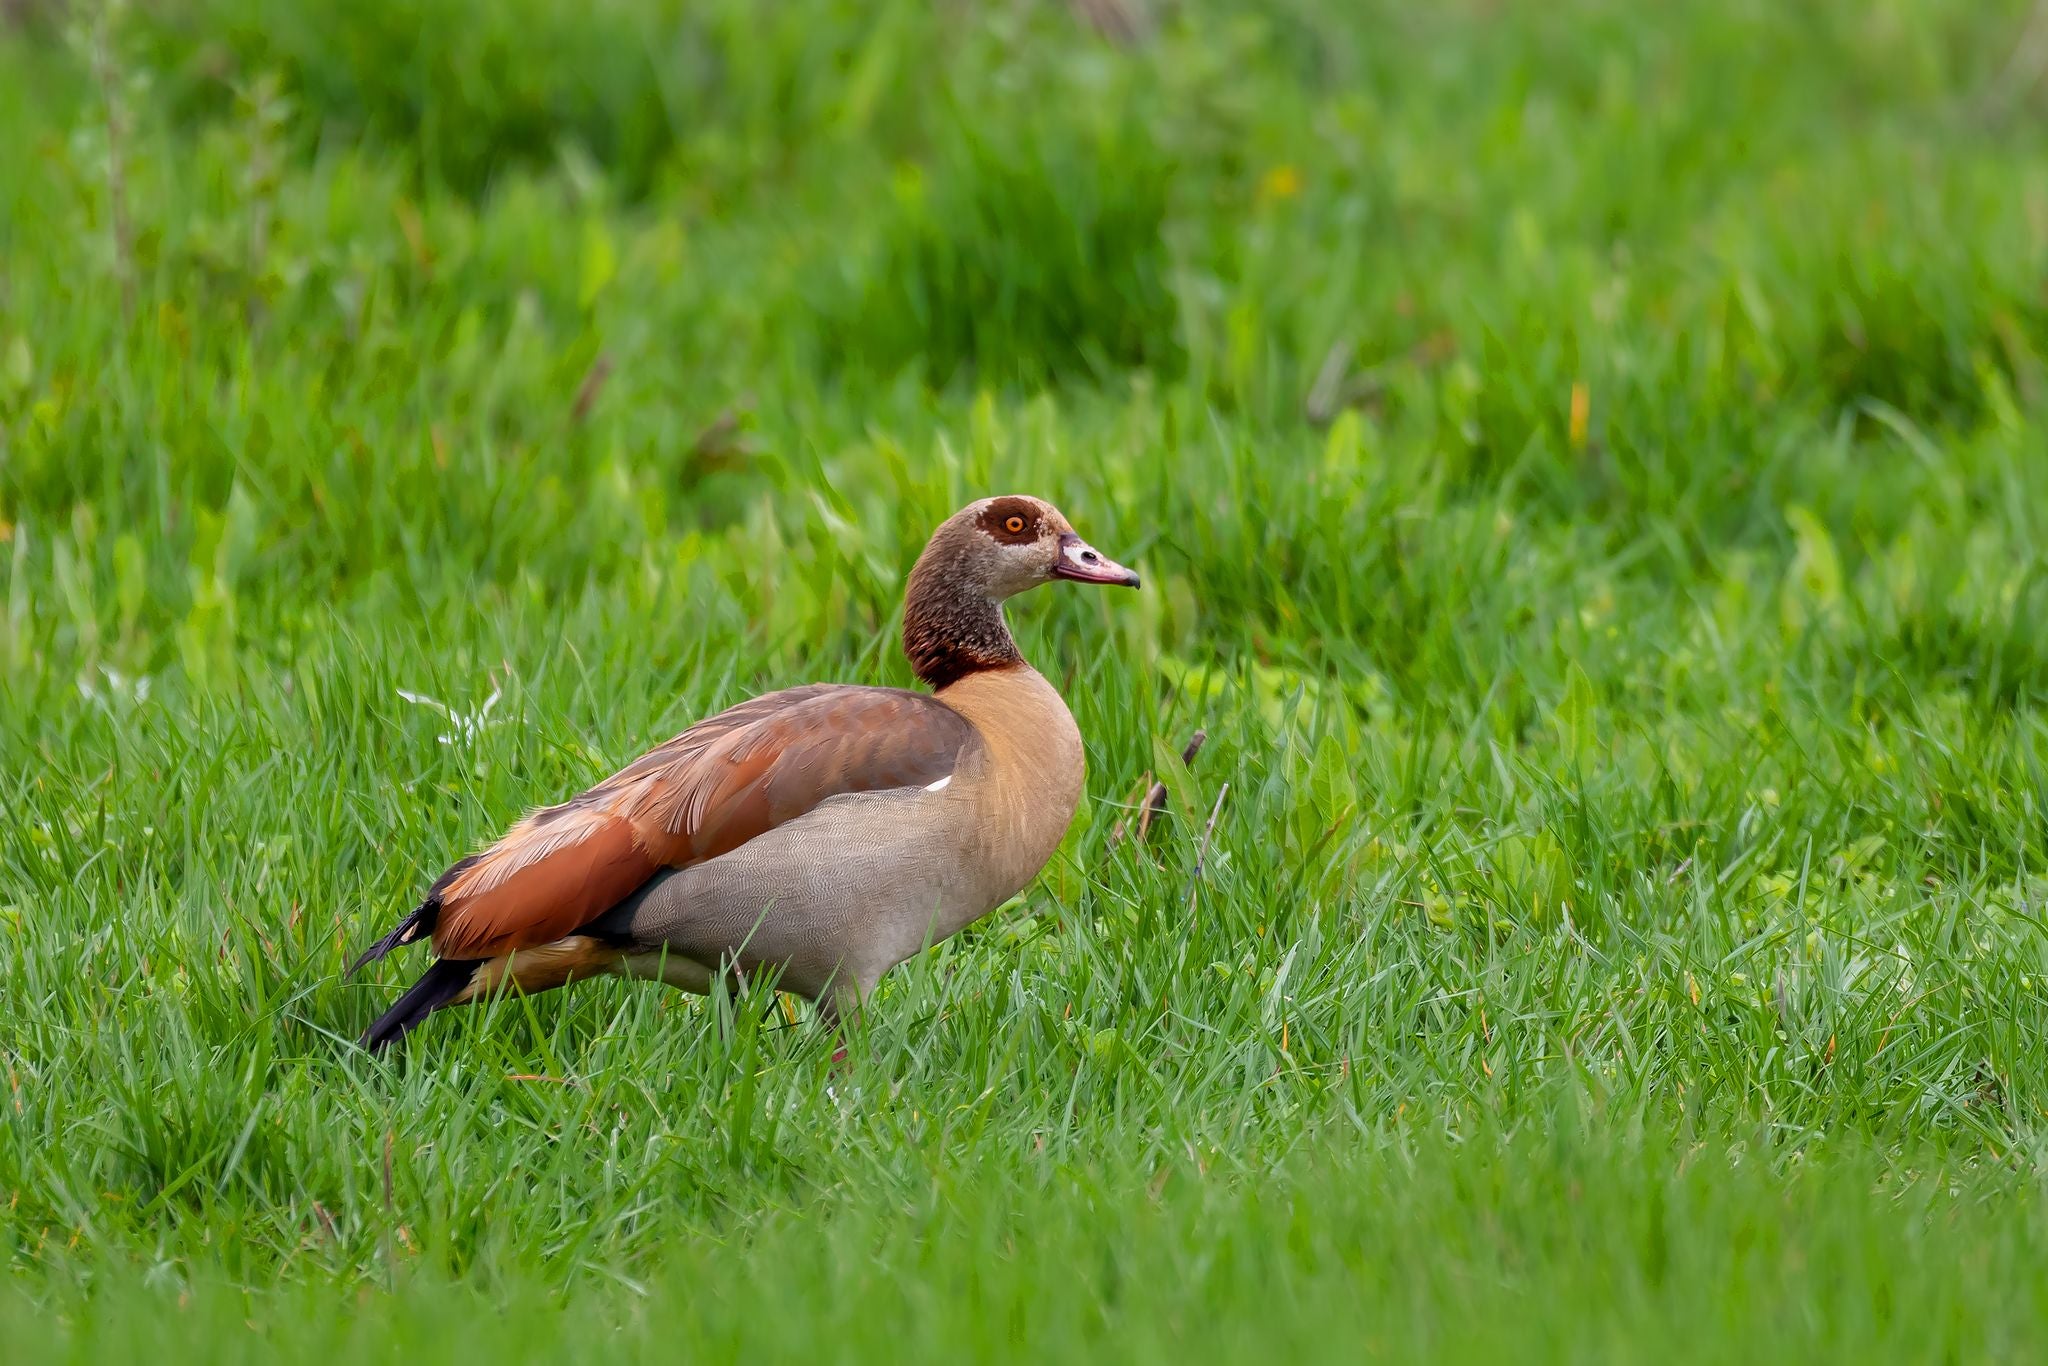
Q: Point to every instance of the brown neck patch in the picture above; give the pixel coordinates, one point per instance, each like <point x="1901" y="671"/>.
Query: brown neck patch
<point x="951" y="627"/>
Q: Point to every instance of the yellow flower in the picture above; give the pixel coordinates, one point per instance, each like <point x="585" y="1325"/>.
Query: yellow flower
<point x="1282" y="182"/>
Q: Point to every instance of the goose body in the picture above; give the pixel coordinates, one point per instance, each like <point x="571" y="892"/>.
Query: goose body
<point x="823" y="833"/>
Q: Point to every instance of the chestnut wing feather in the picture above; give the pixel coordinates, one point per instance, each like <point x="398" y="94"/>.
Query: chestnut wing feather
<point x="709" y="790"/>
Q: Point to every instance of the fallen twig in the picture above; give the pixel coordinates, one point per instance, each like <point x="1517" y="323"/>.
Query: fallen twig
<point x="1123" y="22"/>
<point x="1129" y="803"/>
<point x="1202" y="854"/>
<point x="1337" y="386"/>
<point x="719" y="441"/>
<point x="593" y="385"/>
<point x="1155" y="797"/>
<point x="1155" y="800"/>
<point x="1326" y="394"/>
<point x="2025" y="66"/>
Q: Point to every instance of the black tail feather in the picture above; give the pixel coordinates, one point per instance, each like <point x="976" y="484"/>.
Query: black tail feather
<point x="415" y="926"/>
<point x="438" y="986"/>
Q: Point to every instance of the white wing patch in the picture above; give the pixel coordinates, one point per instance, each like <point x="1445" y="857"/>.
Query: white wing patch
<point x="940" y="785"/>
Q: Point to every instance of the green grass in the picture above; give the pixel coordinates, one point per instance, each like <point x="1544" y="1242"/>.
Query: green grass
<point x="1590" y="485"/>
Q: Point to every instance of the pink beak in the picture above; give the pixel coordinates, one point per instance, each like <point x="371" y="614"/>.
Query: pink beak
<point x="1083" y="563"/>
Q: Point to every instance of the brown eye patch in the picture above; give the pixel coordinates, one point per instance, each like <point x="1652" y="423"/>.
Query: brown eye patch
<point x="1012" y="521"/>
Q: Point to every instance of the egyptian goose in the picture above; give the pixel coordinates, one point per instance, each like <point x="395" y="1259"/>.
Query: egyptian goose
<point x="825" y="833"/>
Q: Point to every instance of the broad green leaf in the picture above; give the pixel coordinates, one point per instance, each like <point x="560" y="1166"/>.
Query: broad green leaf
<point x="1330" y="784"/>
<point x="1813" y="581"/>
<point x="1182" y="796"/>
<point x="1575" y="714"/>
<point x="600" y="262"/>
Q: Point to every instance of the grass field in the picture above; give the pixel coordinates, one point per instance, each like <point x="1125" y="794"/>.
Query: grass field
<point x="1590" y="468"/>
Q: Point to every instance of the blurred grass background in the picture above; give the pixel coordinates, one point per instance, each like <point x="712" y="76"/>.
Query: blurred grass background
<point x="1588" y="466"/>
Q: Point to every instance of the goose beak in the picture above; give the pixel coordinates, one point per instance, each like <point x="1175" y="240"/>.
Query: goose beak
<point x="1083" y="563"/>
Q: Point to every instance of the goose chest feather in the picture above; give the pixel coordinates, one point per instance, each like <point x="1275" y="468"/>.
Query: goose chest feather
<point x="821" y="834"/>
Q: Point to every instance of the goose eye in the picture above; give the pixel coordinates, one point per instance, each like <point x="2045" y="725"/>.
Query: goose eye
<point x="1013" y="524"/>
